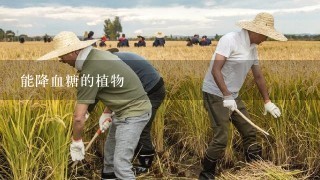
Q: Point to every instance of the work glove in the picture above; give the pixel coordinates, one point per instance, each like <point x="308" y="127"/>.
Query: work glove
<point x="229" y="102"/>
<point x="77" y="150"/>
<point x="105" y="121"/>
<point x="272" y="109"/>
<point x="86" y="116"/>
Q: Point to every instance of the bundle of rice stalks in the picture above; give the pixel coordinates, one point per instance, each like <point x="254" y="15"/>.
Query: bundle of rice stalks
<point x="261" y="170"/>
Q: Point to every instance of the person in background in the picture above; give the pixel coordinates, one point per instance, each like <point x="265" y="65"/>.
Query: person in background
<point x="208" y="41"/>
<point x="159" y="41"/>
<point x="205" y="41"/>
<point x="85" y="35"/>
<point x="21" y="39"/>
<point x="90" y="37"/>
<point x="195" y="39"/>
<point x="189" y="42"/>
<point x="141" y="42"/>
<point x="103" y="41"/>
<point x="123" y="41"/>
<point x="46" y="38"/>
<point x="235" y="54"/>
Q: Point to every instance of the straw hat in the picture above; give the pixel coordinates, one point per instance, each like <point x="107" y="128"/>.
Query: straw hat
<point x="263" y="23"/>
<point x="159" y="35"/>
<point x="64" y="43"/>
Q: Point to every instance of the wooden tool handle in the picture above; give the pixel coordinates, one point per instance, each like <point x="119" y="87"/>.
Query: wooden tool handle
<point x="250" y="122"/>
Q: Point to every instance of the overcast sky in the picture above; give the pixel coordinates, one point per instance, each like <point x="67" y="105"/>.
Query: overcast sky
<point x="184" y="17"/>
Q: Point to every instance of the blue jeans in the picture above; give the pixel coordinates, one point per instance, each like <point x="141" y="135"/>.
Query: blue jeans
<point x="121" y="142"/>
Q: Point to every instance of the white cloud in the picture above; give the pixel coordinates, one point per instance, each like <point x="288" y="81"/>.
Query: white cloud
<point x="158" y="22"/>
<point x="8" y="20"/>
<point x="177" y="18"/>
<point x="209" y="3"/>
<point x="94" y="14"/>
<point x="94" y="23"/>
<point x="24" y="25"/>
<point x="301" y="9"/>
<point x="60" y="13"/>
<point x="138" y="32"/>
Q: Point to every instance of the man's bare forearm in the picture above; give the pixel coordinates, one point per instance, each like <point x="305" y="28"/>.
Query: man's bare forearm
<point x="79" y="119"/>
<point x="78" y="124"/>
<point x="218" y="77"/>
<point x="261" y="84"/>
<point x="217" y="74"/>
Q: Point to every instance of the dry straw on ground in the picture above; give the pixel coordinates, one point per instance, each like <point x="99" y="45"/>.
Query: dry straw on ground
<point x="261" y="171"/>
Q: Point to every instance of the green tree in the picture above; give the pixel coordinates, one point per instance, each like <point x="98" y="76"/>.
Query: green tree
<point x="106" y="29"/>
<point x="217" y="37"/>
<point x="112" y="28"/>
<point x="1" y="34"/>
<point x="117" y="26"/>
<point x="113" y="33"/>
<point x="10" y="35"/>
<point x="109" y="29"/>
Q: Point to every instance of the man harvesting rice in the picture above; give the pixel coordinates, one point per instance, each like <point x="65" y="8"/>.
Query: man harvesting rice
<point x="235" y="55"/>
<point x="129" y="102"/>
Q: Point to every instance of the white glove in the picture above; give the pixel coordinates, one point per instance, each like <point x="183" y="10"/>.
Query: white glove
<point x="105" y="121"/>
<point x="272" y="109"/>
<point x="87" y="115"/>
<point x="77" y="150"/>
<point x="229" y="102"/>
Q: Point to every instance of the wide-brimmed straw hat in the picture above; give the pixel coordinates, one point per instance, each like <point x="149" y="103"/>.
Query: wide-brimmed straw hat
<point x="159" y="35"/>
<point x="263" y="23"/>
<point x="64" y="43"/>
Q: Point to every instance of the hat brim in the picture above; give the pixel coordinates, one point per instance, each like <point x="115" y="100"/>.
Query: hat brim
<point x="159" y="35"/>
<point x="63" y="51"/>
<point x="270" y="32"/>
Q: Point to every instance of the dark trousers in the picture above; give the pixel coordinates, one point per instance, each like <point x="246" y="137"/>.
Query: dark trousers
<point x="145" y="146"/>
<point x="221" y="117"/>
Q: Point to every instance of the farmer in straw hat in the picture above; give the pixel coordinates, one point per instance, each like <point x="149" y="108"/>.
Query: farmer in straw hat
<point x="235" y="54"/>
<point x="159" y="41"/>
<point x="141" y="42"/>
<point x="127" y="100"/>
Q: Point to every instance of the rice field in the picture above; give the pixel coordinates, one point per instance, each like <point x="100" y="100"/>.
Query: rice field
<point x="35" y="123"/>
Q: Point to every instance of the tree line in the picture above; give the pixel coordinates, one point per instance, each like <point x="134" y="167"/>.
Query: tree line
<point x="6" y="35"/>
<point x="113" y="28"/>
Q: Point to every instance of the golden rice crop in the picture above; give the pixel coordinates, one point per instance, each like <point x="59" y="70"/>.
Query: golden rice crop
<point x="35" y="134"/>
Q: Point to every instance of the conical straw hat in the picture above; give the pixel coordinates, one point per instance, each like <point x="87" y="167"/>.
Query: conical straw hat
<point x="263" y="23"/>
<point x="159" y="35"/>
<point x="64" y="43"/>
